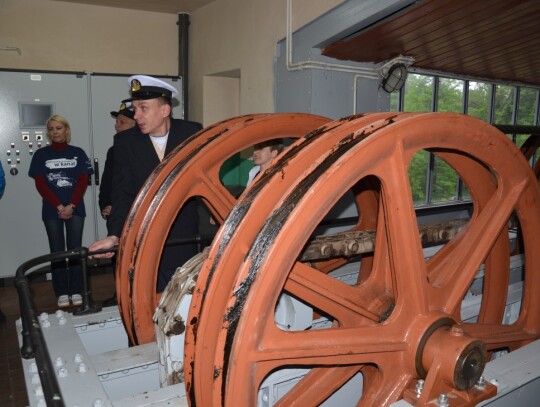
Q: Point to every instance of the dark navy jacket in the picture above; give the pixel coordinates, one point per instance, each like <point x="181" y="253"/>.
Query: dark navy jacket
<point x="134" y="160"/>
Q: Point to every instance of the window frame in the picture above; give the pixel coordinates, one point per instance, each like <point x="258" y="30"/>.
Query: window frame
<point x="436" y="79"/>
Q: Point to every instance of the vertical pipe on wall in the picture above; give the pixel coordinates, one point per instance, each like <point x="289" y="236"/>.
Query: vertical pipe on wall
<point x="183" y="37"/>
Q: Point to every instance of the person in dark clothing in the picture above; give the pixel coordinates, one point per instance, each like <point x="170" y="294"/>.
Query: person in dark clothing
<point x="137" y="152"/>
<point x="124" y="121"/>
<point x="61" y="173"/>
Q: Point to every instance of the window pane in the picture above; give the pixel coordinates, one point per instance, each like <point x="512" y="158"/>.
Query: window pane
<point x="527" y="106"/>
<point x="445" y="181"/>
<point x="418" y="176"/>
<point x="479" y="95"/>
<point x="504" y="104"/>
<point x="450" y="95"/>
<point x="520" y="139"/>
<point x="418" y="93"/>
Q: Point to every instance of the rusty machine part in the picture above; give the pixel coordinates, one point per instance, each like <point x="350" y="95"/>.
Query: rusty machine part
<point x="400" y="325"/>
<point x="349" y="244"/>
<point x="191" y="171"/>
<point x="530" y="145"/>
<point x="529" y="148"/>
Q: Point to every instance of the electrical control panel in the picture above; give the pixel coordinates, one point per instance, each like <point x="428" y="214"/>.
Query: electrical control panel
<point x="22" y="148"/>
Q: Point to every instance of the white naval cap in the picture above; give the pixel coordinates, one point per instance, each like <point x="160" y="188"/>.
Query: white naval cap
<point x="148" y="87"/>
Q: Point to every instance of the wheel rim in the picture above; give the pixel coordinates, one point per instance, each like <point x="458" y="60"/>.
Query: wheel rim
<point x="248" y="345"/>
<point x="191" y="170"/>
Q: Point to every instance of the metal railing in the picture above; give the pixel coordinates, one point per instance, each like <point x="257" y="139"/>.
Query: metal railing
<point x="33" y="341"/>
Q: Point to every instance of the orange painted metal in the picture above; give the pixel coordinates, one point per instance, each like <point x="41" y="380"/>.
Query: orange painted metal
<point x="393" y="326"/>
<point x="529" y="148"/>
<point x="192" y="170"/>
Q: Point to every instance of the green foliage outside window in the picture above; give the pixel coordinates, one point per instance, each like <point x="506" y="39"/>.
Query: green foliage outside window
<point x="418" y="94"/>
<point x="450" y="95"/>
<point x="442" y="181"/>
<point x="418" y="176"/>
<point x="479" y="96"/>
<point x="527" y="106"/>
<point x="445" y="182"/>
<point x="504" y="104"/>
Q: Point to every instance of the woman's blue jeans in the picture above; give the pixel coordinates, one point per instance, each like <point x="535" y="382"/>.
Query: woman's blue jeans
<point x="66" y="278"/>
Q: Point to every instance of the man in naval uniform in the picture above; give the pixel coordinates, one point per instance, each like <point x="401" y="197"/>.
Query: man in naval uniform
<point x="137" y="152"/>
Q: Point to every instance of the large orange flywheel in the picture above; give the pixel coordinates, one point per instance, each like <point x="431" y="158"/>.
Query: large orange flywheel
<point x="402" y="322"/>
<point x="192" y="170"/>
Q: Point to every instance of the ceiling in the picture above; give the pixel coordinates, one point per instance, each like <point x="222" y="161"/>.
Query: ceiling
<point x="160" y="6"/>
<point x="495" y="39"/>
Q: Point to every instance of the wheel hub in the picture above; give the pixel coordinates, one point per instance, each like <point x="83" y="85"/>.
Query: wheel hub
<point x="460" y="358"/>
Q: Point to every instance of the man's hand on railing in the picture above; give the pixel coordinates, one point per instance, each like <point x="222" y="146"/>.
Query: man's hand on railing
<point x="108" y="243"/>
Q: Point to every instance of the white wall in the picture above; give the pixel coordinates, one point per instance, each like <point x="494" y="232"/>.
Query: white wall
<point x="229" y="35"/>
<point x="221" y="98"/>
<point x="63" y="36"/>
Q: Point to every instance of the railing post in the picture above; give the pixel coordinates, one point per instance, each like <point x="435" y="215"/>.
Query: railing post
<point x="87" y="307"/>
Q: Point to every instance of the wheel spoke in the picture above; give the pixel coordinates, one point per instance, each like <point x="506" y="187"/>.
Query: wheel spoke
<point x="529" y="147"/>
<point x="474" y="245"/>
<point x="328" y="294"/>
<point x="218" y="200"/>
<point x="406" y="256"/>
<point x="329" y="346"/>
<point x="482" y="186"/>
<point x="383" y="385"/>
<point x="377" y="283"/>
<point x="319" y="384"/>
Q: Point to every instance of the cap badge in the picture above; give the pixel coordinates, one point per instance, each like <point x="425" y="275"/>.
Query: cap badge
<point x="123" y="106"/>
<point x="135" y="85"/>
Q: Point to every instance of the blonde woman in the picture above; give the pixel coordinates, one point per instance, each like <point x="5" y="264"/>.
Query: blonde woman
<point x="61" y="172"/>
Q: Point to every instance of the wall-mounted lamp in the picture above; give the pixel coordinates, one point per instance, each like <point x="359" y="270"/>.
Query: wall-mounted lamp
<point x="395" y="78"/>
